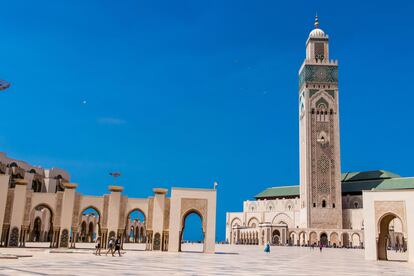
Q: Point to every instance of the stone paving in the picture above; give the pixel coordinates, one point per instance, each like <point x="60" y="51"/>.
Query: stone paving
<point x="229" y="260"/>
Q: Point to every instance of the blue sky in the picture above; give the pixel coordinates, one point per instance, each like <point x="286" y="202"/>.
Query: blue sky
<point x="183" y="93"/>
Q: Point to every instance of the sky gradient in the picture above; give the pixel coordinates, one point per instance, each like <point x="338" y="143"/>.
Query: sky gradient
<point x="185" y="93"/>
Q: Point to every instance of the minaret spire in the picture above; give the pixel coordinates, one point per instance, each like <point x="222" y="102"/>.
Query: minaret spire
<point x="316" y="21"/>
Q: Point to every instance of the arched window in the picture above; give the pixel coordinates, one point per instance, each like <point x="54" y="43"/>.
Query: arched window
<point x="356" y="204"/>
<point x="314" y="204"/>
<point x="323" y="203"/>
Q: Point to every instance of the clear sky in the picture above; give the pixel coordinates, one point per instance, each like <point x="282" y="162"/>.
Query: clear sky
<point x="183" y="93"/>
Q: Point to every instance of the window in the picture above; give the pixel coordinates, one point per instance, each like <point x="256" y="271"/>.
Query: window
<point x="356" y="204"/>
<point x="323" y="204"/>
<point x="314" y="204"/>
<point x="333" y="205"/>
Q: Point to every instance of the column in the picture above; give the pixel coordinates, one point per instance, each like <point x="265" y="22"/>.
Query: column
<point x="68" y="203"/>
<point x="4" y="186"/>
<point x="17" y="216"/>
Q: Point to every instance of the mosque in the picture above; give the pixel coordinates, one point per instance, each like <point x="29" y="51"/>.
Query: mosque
<point x="328" y="207"/>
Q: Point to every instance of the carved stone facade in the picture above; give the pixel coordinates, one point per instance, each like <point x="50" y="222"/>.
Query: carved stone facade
<point x="58" y="217"/>
<point x="319" y="138"/>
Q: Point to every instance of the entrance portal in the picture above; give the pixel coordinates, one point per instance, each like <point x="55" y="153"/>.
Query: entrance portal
<point x="192" y="239"/>
<point x="324" y="240"/>
<point x="391" y="244"/>
<point x="276" y="237"/>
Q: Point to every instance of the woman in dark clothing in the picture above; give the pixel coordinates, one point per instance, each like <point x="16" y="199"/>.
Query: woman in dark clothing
<point x="117" y="247"/>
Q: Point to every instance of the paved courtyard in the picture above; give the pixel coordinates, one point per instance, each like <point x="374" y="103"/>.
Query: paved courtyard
<point x="229" y="260"/>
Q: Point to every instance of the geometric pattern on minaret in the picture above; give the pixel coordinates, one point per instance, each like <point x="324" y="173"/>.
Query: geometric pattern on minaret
<point x="320" y="168"/>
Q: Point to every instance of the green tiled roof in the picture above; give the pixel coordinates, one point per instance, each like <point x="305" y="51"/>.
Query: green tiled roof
<point x="369" y="175"/>
<point x="279" y="192"/>
<point x="353" y="182"/>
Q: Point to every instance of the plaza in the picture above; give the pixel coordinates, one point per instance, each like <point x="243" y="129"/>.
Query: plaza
<point x="228" y="260"/>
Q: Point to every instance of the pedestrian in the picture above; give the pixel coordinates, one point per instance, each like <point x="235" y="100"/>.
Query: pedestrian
<point x="267" y="247"/>
<point x="117" y="247"/>
<point x="110" y="246"/>
<point x="320" y="247"/>
<point x="98" y="246"/>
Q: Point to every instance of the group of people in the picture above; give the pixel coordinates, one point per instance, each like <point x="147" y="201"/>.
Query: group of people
<point x="114" y="245"/>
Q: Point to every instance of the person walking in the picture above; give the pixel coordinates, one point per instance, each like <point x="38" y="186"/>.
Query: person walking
<point x="98" y="246"/>
<point x="320" y="247"/>
<point x="117" y="247"/>
<point x="110" y="246"/>
<point x="267" y="247"/>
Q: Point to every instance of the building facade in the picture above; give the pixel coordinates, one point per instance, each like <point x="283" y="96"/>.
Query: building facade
<point x="38" y="205"/>
<point x="327" y="208"/>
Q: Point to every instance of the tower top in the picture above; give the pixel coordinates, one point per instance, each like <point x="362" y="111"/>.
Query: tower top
<point x="316" y="32"/>
<point x="316" y="22"/>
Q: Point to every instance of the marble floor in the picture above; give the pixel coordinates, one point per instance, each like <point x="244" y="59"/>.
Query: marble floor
<point x="228" y="260"/>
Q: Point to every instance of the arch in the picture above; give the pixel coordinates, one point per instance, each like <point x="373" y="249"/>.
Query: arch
<point x="323" y="239"/>
<point x="282" y="217"/>
<point x="384" y="234"/>
<point x="129" y="234"/>
<point x="235" y="221"/>
<point x="86" y="233"/>
<point x="293" y="237"/>
<point x="183" y="219"/>
<point x="303" y="238"/>
<point x="356" y="240"/>
<point x="313" y="238"/>
<point x="253" y="220"/>
<point x="276" y="238"/>
<point x="45" y="234"/>
<point x="334" y="239"/>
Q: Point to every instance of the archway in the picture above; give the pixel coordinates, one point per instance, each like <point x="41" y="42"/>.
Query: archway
<point x="191" y="238"/>
<point x="302" y="239"/>
<point x="234" y="237"/>
<point x="276" y="237"/>
<point x="323" y="241"/>
<point x="334" y="240"/>
<point x="313" y="238"/>
<point x="90" y="227"/>
<point x="390" y="227"/>
<point x="135" y="227"/>
<point x="40" y="232"/>
<point x="356" y="240"/>
<point x="293" y="238"/>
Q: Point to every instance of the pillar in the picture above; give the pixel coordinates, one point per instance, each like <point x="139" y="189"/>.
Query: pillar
<point x="68" y="203"/>
<point x="4" y="187"/>
<point x="17" y="216"/>
<point x="113" y="208"/>
<point x="158" y="214"/>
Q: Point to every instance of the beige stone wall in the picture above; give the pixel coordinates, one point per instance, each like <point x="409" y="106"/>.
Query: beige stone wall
<point x="378" y="204"/>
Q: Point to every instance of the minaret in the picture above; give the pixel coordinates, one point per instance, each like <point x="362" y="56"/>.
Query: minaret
<point x="320" y="168"/>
